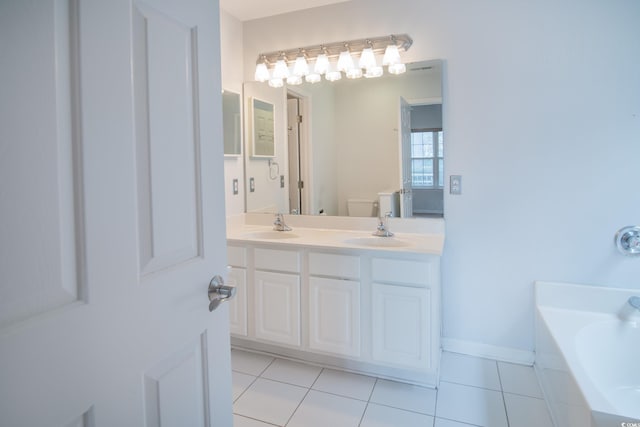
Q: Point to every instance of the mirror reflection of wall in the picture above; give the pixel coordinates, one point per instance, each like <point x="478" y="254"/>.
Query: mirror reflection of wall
<point x="231" y="123"/>
<point x="353" y="139"/>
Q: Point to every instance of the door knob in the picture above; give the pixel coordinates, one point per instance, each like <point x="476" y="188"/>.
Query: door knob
<point x="219" y="292"/>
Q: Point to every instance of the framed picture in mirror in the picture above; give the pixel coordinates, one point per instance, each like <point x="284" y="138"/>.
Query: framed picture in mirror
<point x="263" y="144"/>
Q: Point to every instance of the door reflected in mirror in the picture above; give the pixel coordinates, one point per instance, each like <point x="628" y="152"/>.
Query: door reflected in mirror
<point x="350" y="149"/>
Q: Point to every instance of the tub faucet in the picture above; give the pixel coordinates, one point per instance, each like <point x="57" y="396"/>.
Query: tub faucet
<point x="279" y="225"/>
<point x="634" y="302"/>
<point x="383" y="228"/>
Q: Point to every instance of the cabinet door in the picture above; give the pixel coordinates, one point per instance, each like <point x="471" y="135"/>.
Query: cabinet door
<point x="277" y="306"/>
<point x="334" y="316"/>
<point x="401" y="325"/>
<point x="238" y="305"/>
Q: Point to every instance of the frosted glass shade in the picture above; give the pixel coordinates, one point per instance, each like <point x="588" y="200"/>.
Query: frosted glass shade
<point x="345" y="61"/>
<point x="322" y="64"/>
<point x="301" y="67"/>
<point x="397" y="68"/>
<point x="313" y="78"/>
<point x="281" y="71"/>
<point x="354" y="73"/>
<point x="391" y="55"/>
<point x="262" y="72"/>
<point x="367" y="59"/>
<point x="373" y="72"/>
<point x="294" y="80"/>
<point x="276" y="83"/>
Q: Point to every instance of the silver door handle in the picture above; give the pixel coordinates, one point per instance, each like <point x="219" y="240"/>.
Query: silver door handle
<point x="219" y="292"/>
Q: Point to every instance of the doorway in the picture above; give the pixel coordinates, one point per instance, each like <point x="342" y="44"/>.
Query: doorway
<point x="298" y="153"/>
<point x="422" y="157"/>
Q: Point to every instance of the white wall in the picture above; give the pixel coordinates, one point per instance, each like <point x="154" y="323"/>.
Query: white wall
<point x="232" y="78"/>
<point x="323" y="185"/>
<point x="542" y="120"/>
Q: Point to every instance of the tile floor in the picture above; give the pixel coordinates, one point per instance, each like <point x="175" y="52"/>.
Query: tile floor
<point x="269" y="392"/>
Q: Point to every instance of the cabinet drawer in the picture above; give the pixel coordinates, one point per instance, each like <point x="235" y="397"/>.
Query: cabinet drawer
<point x="345" y="266"/>
<point x="275" y="259"/>
<point x="236" y="256"/>
<point x="401" y="271"/>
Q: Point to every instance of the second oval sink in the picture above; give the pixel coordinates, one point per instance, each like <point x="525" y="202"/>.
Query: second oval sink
<point x="378" y="242"/>
<point x="271" y="235"/>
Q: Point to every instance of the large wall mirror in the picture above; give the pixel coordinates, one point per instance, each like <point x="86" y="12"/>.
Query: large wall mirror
<point x="352" y="147"/>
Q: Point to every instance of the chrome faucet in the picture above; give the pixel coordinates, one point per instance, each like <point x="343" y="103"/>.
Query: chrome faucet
<point x="634" y="302"/>
<point x="279" y="225"/>
<point x="383" y="228"/>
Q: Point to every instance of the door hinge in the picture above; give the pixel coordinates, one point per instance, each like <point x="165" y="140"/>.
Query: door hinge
<point x="299" y="119"/>
<point x="300" y="185"/>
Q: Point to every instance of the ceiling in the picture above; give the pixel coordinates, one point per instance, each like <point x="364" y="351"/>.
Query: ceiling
<point x="245" y="10"/>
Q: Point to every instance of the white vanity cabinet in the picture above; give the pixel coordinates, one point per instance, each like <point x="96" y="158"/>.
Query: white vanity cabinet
<point x="375" y="312"/>
<point x="276" y="287"/>
<point x="334" y="303"/>
<point x="403" y="312"/>
<point x="237" y="259"/>
<point x="406" y="307"/>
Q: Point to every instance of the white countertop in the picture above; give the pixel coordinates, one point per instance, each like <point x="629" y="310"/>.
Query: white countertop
<point x="403" y="242"/>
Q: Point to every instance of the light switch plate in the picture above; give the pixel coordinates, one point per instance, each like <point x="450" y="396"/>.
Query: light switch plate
<point x="281" y="181"/>
<point x="252" y="185"/>
<point x="235" y="187"/>
<point x="455" y="184"/>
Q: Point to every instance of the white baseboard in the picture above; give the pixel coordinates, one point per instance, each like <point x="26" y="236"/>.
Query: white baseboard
<point x="503" y="354"/>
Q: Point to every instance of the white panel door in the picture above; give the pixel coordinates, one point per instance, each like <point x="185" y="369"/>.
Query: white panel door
<point x="406" y="192"/>
<point x="401" y="325"/>
<point x="112" y="215"/>
<point x="277" y="307"/>
<point x="334" y="316"/>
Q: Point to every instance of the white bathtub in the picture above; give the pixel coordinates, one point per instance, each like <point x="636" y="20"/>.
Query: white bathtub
<point x="588" y="354"/>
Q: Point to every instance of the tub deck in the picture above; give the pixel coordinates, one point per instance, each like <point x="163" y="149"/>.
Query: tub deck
<point x="587" y="344"/>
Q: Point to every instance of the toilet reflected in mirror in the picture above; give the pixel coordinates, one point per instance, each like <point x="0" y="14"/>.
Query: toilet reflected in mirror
<point x="362" y="207"/>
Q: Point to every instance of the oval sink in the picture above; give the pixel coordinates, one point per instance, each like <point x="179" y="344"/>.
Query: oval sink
<point x="378" y="242"/>
<point x="271" y="235"/>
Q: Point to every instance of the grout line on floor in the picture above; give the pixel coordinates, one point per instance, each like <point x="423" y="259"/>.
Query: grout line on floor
<point x="255" y="419"/>
<point x="297" y="407"/>
<point x="504" y="401"/>
<point x="246" y="388"/>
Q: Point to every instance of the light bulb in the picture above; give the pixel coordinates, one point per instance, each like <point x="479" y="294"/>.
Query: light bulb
<point x="262" y="72"/>
<point x="322" y="64"/>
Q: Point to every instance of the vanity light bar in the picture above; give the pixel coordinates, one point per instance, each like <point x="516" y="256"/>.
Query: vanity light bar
<point x="376" y="45"/>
